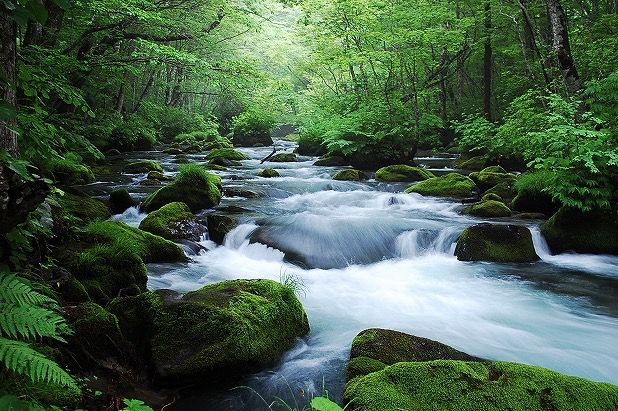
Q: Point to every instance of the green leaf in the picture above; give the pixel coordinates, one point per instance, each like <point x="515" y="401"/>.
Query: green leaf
<point x="324" y="404"/>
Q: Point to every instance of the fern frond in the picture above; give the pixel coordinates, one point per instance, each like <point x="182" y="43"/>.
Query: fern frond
<point x="30" y="322"/>
<point x="20" y="358"/>
<point x="16" y="291"/>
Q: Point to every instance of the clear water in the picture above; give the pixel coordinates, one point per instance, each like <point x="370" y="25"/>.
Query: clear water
<point x="370" y="256"/>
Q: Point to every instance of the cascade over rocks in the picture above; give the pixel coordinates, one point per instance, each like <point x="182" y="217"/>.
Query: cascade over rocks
<point x="497" y="243"/>
<point x="120" y="200"/>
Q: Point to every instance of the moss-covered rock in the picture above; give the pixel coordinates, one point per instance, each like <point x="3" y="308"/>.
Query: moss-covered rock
<point x="491" y="197"/>
<point x="144" y="166"/>
<point x="530" y="216"/>
<point x="228" y="154"/>
<point x="375" y="349"/>
<point x="504" y="190"/>
<point x="402" y="172"/>
<point x="109" y="258"/>
<point x="219" y="226"/>
<point x="223" y="162"/>
<point x="225" y="329"/>
<point x="331" y="161"/>
<point x="283" y="158"/>
<point x="488" y="209"/>
<point x="120" y="200"/>
<point x="214" y="167"/>
<point x="469" y="386"/>
<point x="472" y="164"/>
<point x="535" y="201"/>
<point x="350" y="175"/>
<point x="69" y="172"/>
<point x="491" y="176"/>
<point x="451" y="185"/>
<point x="498" y="243"/>
<point x="173" y="151"/>
<point x="173" y="221"/>
<point x="159" y="176"/>
<point x="269" y="173"/>
<point x="194" y="186"/>
<point x="594" y="232"/>
<point x="83" y="207"/>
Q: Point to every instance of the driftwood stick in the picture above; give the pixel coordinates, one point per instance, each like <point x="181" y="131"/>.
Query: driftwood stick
<point x="270" y="155"/>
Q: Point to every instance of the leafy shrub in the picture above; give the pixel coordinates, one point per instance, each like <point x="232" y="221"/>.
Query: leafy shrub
<point x="253" y="123"/>
<point x="171" y="121"/>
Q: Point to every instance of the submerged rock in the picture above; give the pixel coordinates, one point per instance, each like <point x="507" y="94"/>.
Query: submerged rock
<point x="451" y="185"/>
<point x="157" y="175"/>
<point x="173" y="221"/>
<point x="497" y="243"/>
<point x="389" y="370"/>
<point x="283" y="158"/>
<point x="224" y="330"/>
<point x="269" y="173"/>
<point x="120" y="200"/>
<point x="402" y="172"/>
<point x="219" y="226"/>
<point x="350" y="175"/>
<point x="593" y="232"/>
<point x="194" y="186"/>
<point x="144" y="166"/>
<point x="488" y="209"/>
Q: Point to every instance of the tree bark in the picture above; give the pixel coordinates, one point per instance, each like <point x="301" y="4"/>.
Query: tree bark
<point x="487" y="66"/>
<point x="8" y="56"/>
<point x="562" y="46"/>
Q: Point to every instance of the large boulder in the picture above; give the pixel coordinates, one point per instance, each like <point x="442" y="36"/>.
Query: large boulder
<point x="452" y="185"/>
<point x="224" y="330"/>
<point x="82" y="207"/>
<point x="472" y="164"/>
<point x="535" y="201"/>
<point x="350" y="175"/>
<point x="144" y="166"/>
<point x="491" y="176"/>
<point x="173" y="221"/>
<point x="402" y="172"/>
<point x="194" y="186"/>
<point x="120" y="200"/>
<point x="227" y="154"/>
<point x="108" y="259"/>
<point x="283" y="158"/>
<point x="219" y="226"/>
<point x="389" y="370"/>
<point x="498" y="243"/>
<point x="489" y="208"/>
<point x="594" y="232"/>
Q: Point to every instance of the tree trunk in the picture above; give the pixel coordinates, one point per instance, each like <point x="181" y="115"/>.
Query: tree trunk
<point x="8" y="36"/>
<point x="562" y="47"/>
<point x="487" y="80"/>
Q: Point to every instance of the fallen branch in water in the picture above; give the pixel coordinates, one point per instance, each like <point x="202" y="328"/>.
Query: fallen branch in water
<point x="270" y="155"/>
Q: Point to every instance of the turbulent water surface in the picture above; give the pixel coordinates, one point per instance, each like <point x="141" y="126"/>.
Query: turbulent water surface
<point x="370" y="256"/>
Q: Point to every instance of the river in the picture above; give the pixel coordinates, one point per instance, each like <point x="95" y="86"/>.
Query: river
<point x="368" y="255"/>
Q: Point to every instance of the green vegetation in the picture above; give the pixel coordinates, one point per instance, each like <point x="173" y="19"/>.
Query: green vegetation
<point x="498" y="243"/>
<point x="488" y="208"/>
<point x="162" y="221"/>
<point x="402" y="172"/>
<point x="269" y="173"/>
<point x="452" y="185"/>
<point x="350" y="175"/>
<point x="228" y="154"/>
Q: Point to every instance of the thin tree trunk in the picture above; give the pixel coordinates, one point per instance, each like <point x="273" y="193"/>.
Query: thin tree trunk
<point x="487" y="66"/>
<point x="142" y="96"/>
<point x="529" y="24"/>
<point x="8" y="57"/>
<point x="562" y="46"/>
<point x="443" y="94"/>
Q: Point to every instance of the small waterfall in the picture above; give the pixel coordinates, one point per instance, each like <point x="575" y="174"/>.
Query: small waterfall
<point x="417" y="243"/>
<point x="132" y="216"/>
<point x="540" y="245"/>
<point x="239" y="236"/>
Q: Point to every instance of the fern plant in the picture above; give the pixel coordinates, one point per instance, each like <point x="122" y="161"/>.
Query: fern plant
<point x="27" y="315"/>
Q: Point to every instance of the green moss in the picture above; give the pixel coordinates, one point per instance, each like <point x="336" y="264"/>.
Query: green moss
<point x="214" y="167"/>
<point x="161" y="222"/>
<point x="194" y="186"/>
<point x="471" y="386"/>
<point x="83" y="207"/>
<point x="350" y="175"/>
<point x="473" y="164"/>
<point x="492" y="176"/>
<point x="72" y="291"/>
<point x="68" y="171"/>
<point x="499" y="243"/>
<point x="227" y="328"/>
<point x="157" y="175"/>
<point x="488" y="209"/>
<point x="360" y="366"/>
<point x="505" y="190"/>
<point x="144" y="166"/>
<point x="402" y="173"/>
<point x="228" y="154"/>
<point x="594" y="232"/>
<point x="452" y="185"/>
<point x="172" y="151"/>
<point x="269" y="173"/>
<point x="492" y="197"/>
<point x="283" y="158"/>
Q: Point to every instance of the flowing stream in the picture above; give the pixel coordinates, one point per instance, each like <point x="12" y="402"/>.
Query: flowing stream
<point x="370" y="256"/>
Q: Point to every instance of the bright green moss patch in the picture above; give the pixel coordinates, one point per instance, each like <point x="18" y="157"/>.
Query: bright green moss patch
<point x="228" y="154"/>
<point x="471" y="386"/>
<point x="402" y="172"/>
<point x="194" y="186"/>
<point x="269" y="173"/>
<point x="492" y="176"/>
<point x="498" y="243"/>
<point x="69" y="171"/>
<point x="360" y="366"/>
<point x="451" y="185"/>
<point x="473" y="164"/>
<point x="144" y="166"/>
<point x="226" y="329"/>
<point x="83" y="207"/>
<point x="491" y="197"/>
<point x="283" y="158"/>
<point x="350" y="175"/>
<point x="162" y="221"/>
<point x="488" y="209"/>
